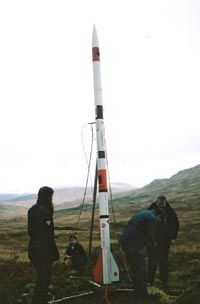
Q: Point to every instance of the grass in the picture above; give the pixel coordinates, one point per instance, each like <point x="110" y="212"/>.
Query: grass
<point x="17" y="276"/>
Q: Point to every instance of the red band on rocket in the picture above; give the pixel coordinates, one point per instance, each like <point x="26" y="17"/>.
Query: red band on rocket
<point x="102" y="176"/>
<point x="95" y="54"/>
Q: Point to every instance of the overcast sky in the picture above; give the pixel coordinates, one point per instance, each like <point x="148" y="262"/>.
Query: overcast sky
<point x="150" y="67"/>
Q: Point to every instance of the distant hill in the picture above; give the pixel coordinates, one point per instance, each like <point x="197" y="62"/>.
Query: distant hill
<point x="183" y="186"/>
<point x="181" y="189"/>
<point x="13" y="205"/>
<point x="6" y="197"/>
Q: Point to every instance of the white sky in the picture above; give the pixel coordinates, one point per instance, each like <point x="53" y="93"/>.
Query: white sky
<point x="150" y="67"/>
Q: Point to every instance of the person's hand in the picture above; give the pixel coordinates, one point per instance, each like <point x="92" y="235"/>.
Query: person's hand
<point x="65" y="257"/>
<point x="57" y="262"/>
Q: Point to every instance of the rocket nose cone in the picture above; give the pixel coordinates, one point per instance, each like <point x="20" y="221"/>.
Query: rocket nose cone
<point x="95" y="42"/>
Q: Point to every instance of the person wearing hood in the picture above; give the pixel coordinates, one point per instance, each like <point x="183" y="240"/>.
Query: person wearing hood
<point x="42" y="248"/>
<point x="167" y="230"/>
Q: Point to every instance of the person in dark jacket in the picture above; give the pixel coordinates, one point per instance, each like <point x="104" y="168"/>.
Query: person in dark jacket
<point x="167" y="230"/>
<point x="76" y="253"/>
<point x="140" y="231"/>
<point x="42" y="249"/>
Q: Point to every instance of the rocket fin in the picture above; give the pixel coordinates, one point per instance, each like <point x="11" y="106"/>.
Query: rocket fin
<point x="98" y="270"/>
<point x="114" y="269"/>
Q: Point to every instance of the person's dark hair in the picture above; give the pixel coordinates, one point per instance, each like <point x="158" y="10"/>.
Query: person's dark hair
<point x="73" y="237"/>
<point x="45" y="197"/>
<point x="161" y="198"/>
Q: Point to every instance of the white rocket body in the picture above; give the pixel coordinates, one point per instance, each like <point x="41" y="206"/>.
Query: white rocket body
<point x="110" y="271"/>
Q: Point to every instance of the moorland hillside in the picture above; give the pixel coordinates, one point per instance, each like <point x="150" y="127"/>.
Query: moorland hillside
<point x="182" y="190"/>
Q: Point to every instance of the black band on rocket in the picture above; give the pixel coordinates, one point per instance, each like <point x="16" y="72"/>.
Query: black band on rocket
<point x="101" y="154"/>
<point x="99" y="112"/>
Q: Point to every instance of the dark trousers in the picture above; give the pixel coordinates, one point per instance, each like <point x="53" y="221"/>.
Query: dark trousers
<point x="137" y="264"/>
<point x="158" y="255"/>
<point x="40" y="295"/>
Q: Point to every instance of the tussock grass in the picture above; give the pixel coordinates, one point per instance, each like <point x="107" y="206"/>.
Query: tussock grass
<point x="184" y="284"/>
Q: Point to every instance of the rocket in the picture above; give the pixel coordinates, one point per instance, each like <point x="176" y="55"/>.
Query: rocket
<point x="106" y="269"/>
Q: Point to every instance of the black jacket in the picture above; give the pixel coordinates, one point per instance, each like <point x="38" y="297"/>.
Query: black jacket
<point x="78" y="256"/>
<point x="42" y="246"/>
<point x="168" y="225"/>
